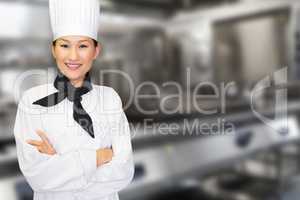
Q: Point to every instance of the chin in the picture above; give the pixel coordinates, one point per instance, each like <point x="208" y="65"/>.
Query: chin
<point x="73" y="75"/>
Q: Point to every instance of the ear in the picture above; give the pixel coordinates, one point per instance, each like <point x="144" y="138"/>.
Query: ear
<point x="98" y="50"/>
<point x="53" y="51"/>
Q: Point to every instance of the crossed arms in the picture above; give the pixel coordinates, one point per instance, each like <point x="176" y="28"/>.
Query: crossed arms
<point x="85" y="169"/>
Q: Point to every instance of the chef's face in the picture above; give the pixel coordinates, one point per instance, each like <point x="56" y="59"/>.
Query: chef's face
<point x="74" y="56"/>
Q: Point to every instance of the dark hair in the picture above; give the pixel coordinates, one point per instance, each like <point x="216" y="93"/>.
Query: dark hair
<point x="95" y="42"/>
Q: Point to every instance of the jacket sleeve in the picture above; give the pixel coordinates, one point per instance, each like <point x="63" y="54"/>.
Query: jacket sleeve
<point x="118" y="173"/>
<point x="66" y="172"/>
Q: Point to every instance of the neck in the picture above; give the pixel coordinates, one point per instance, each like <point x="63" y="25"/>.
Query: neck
<point x="76" y="83"/>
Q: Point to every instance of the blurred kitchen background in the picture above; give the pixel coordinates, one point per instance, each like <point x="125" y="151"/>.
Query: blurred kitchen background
<point x="187" y="42"/>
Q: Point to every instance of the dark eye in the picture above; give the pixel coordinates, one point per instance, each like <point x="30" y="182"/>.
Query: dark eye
<point x="64" y="45"/>
<point x="83" y="46"/>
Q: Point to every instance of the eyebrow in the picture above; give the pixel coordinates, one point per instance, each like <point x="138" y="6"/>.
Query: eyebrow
<point x="64" y="40"/>
<point x="69" y="41"/>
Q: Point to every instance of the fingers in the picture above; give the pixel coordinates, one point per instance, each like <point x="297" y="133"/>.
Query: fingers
<point x="43" y="146"/>
<point x="37" y="144"/>
<point x="49" y="148"/>
<point x="40" y="149"/>
<point x="44" y="137"/>
<point x="34" y="142"/>
<point x="110" y="149"/>
<point x="103" y="156"/>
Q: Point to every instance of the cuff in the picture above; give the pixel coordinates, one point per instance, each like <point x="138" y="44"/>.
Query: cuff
<point x="89" y="162"/>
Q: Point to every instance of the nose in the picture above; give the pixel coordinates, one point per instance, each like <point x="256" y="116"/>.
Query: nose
<point x="73" y="55"/>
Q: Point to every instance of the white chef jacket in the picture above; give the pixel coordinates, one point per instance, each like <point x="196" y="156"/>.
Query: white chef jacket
<point x="72" y="174"/>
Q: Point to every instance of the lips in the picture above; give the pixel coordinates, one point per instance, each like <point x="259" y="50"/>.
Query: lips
<point x="73" y="66"/>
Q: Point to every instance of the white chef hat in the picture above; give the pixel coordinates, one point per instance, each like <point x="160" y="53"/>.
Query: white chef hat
<point x="74" y="17"/>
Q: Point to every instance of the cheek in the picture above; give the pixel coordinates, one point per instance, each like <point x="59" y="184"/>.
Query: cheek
<point x="60" y="56"/>
<point x="87" y="57"/>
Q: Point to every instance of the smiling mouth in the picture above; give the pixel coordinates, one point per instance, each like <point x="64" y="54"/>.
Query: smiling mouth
<point x="73" y="66"/>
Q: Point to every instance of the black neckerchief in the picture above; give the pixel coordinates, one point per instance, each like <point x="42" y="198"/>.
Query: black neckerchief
<point x="66" y="89"/>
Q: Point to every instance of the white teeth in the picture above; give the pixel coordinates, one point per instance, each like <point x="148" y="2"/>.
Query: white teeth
<point x="73" y="66"/>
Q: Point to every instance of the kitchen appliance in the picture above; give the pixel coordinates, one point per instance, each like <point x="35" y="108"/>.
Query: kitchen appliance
<point x="12" y="184"/>
<point x="13" y="83"/>
<point x="240" y="43"/>
<point x="185" y="164"/>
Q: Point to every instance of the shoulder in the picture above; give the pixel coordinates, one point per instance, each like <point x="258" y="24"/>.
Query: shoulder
<point x="33" y="94"/>
<point x="38" y="92"/>
<point x="107" y="92"/>
<point x="108" y="96"/>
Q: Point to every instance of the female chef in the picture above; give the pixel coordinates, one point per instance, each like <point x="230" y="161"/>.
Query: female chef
<point x="72" y="136"/>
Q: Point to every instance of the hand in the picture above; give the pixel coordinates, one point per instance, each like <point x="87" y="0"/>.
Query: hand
<point x="104" y="156"/>
<point x="43" y="146"/>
